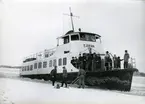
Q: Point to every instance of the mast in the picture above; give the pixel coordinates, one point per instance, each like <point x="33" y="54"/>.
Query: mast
<point x="71" y="15"/>
<point x="71" y="18"/>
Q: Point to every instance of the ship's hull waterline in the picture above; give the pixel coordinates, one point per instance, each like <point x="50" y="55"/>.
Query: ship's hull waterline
<point x="111" y="79"/>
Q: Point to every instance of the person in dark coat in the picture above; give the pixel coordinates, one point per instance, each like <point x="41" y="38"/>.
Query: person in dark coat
<point x="98" y="62"/>
<point x="80" y="60"/>
<point x="94" y="62"/>
<point x="64" y="77"/>
<point x="115" y="61"/>
<point x="107" y="60"/>
<point x="119" y="62"/>
<point x="73" y="62"/>
<point x="84" y="61"/>
<point x="81" y="76"/>
<point x="53" y="75"/>
<point x="126" y="59"/>
<point x="76" y="62"/>
<point x="110" y="64"/>
<point x="89" y="62"/>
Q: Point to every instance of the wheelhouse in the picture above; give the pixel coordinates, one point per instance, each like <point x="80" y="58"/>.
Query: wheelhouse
<point x="79" y="36"/>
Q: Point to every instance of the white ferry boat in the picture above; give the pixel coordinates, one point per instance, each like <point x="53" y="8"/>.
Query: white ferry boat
<point x="39" y="65"/>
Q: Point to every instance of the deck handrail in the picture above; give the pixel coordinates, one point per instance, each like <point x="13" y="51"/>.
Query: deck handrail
<point x="35" y="55"/>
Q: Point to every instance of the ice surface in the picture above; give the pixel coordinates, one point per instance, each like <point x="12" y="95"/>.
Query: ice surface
<point x="27" y="91"/>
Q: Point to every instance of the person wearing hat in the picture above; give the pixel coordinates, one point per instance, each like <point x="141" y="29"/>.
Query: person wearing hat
<point x="119" y="62"/>
<point x="81" y="76"/>
<point x="53" y="75"/>
<point x="126" y="59"/>
<point x="64" y="77"/>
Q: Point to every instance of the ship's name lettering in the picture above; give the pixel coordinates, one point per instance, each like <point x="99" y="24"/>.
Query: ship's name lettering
<point x="89" y="45"/>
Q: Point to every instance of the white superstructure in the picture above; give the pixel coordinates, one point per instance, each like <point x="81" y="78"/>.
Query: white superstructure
<point x="74" y="43"/>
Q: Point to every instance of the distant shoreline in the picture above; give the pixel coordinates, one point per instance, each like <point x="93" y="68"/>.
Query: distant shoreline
<point x="7" y="66"/>
<point x="139" y="74"/>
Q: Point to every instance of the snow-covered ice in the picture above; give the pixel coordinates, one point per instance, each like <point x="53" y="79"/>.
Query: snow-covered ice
<point x="27" y="91"/>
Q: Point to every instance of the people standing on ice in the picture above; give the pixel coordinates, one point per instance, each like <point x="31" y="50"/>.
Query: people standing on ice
<point x="115" y="61"/>
<point x="119" y="62"/>
<point x="81" y="76"/>
<point x="126" y="59"/>
<point x="107" y="60"/>
<point x="64" y="77"/>
<point x="53" y="75"/>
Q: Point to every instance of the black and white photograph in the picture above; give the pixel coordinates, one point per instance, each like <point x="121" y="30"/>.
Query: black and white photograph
<point x="72" y="51"/>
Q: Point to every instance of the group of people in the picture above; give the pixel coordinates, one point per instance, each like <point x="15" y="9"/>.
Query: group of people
<point x="93" y="62"/>
<point x="81" y="77"/>
<point x="116" y="60"/>
<point x="87" y="61"/>
<point x="64" y="76"/>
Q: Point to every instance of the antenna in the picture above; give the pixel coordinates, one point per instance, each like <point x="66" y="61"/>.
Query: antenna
<point x="71" y="15"/>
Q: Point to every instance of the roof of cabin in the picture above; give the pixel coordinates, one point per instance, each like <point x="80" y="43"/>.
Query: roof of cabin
<point x="73" y="33"/>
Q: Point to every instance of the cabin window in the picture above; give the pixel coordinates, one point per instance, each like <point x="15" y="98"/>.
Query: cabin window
<point x="40" y="65"/>
<point x="31" y="67"/>
<point x="82" y="37"/>
<point x="74" y="37"/>
<point x="44" y="64"/>
<point x="60" y="62"/>
<point x="66" y="39"/>
<point x="90" y="38"/>
<point x="54" y="62"/>
<point x="87" y="37"/>
<point x="46" y="55"/>
<point x="64" y="61"/>
<point x="23" y="68"/>
<point x="27" y="68"/>
<point x="35" y="66"/>
<point x="50" y="63"/>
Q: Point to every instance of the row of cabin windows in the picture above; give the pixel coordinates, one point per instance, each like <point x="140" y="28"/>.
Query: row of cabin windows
<point x="51" y="63"/>
<point x="27" y="68"/>
<point x="81" y="36"/>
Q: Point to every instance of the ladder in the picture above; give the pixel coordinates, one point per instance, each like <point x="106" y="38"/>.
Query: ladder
<point x="74" y="81"/>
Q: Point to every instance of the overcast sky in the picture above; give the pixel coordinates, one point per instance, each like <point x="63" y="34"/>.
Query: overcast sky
<point x="30" y="26"/>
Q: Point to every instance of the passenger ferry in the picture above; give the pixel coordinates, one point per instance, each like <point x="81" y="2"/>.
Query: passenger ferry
<point x="39" y="65"/>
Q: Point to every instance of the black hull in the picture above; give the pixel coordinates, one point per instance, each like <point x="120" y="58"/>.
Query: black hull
<point x="112" y="79"/>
